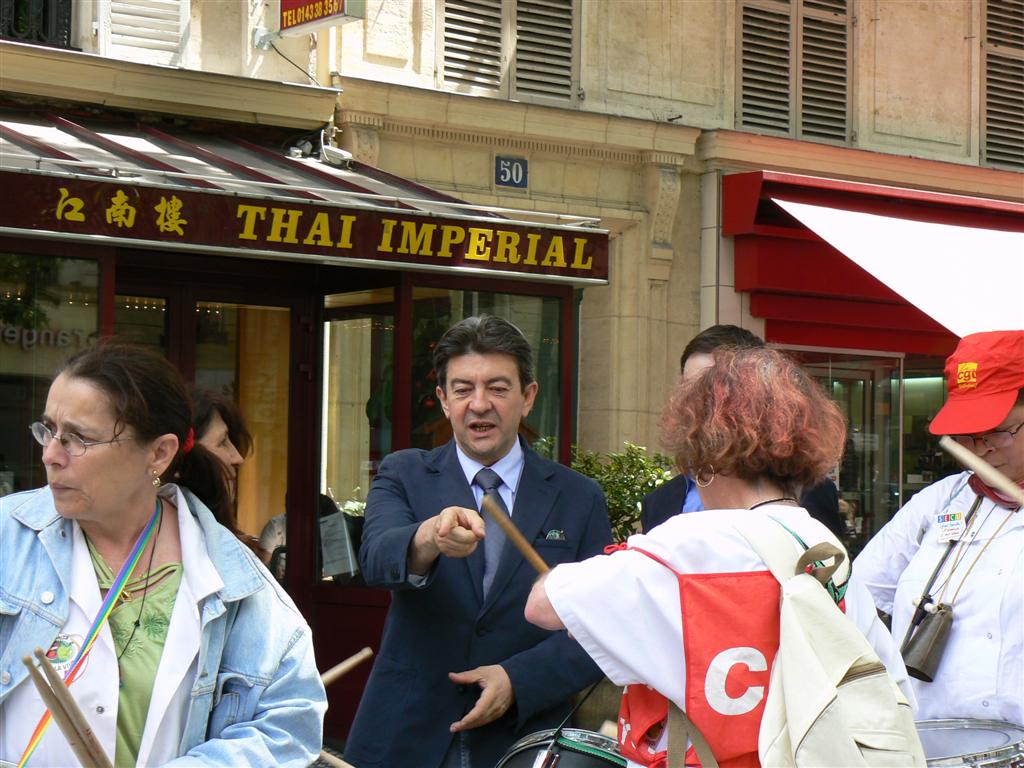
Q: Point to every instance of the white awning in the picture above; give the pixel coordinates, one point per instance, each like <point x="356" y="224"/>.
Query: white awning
<point x="968" y="279"/>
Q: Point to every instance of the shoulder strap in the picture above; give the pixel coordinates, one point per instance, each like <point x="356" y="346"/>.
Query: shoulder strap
<point x="768" y="538"/>
<point x="682" y="731"/>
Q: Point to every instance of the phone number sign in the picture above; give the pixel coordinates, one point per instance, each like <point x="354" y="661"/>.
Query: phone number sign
<point x="302" y="15"/>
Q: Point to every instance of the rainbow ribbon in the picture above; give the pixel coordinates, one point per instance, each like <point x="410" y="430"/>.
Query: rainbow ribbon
<point x="113" y="594"/>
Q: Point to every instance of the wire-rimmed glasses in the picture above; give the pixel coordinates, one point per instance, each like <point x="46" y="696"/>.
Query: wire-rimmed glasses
<point x="74" y="445"/>
<point x="994" y="440"/>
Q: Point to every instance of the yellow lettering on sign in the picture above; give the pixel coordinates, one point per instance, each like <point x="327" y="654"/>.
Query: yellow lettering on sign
<point x="345" y="241"/>
<point x="250" y="213"/>
<point x="479" y="246"/>
<point x="532" y="239"/>
<point x="169" y="218"/>
<point x="555" y="256"/>
<point x="507" y="247"/>
<point x="450" y="235"/>
<point x="577" y="256"/>
<point x="416" y="238"/>
<point x="385" y="235"/>
<point x="319" y="231"/>
<point x="282" y="231"/>
<point x="70" y="208"/>
<point x="121" y="212"/>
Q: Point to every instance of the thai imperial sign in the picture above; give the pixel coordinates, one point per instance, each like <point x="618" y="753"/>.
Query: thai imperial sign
<point x="301" y="16"/>
<point x="184" y="218"/>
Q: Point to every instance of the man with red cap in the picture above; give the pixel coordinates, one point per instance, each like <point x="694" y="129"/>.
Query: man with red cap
<point x="949" y="566"/>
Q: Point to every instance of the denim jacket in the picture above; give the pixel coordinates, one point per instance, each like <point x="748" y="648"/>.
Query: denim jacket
<point x="256" y="699"/>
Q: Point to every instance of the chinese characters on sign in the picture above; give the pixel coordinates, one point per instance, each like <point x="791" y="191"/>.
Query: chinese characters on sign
<point x="121" y="213"/>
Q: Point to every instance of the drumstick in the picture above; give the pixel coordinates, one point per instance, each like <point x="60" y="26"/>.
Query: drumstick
<point x="337" y="762"/>
<point x="72" y="710"/>
<point x="56" y="704"/>
<point x="346" y="666"/>
<point x="513" y="535"/>
<point x="982" y="469"/>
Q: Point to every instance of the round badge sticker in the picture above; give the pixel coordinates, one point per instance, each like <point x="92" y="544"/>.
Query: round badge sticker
<point x="63" y="652"/>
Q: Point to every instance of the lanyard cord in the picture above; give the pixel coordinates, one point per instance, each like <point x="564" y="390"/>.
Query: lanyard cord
<point x="919" y="609"/>
<point x="101" y="618"/>
<point x="974" y="562"/>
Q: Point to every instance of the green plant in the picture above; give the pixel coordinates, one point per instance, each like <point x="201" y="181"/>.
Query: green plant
<point x="625" y="477"/>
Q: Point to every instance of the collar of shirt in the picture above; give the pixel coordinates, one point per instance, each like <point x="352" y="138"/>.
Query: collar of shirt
<point x="509" y="468"/>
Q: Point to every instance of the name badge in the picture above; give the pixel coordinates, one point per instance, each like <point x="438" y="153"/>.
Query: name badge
<point x="950" y="526"/>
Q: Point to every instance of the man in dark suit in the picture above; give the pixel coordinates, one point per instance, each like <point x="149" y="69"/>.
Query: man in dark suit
<point x="461" y="675"/>
<point x="680" y="493"/>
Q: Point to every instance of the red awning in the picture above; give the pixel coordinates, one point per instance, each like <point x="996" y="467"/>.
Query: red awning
<point x="862" y="266"/>
<point x="208" y="189"/>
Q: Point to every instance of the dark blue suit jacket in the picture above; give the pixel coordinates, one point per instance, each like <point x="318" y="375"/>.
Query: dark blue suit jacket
<point x="446" y="626"/>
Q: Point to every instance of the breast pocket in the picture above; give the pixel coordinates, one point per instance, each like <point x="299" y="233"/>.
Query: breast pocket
<point x="555" y="551"/>
<point x="234" y="701"/>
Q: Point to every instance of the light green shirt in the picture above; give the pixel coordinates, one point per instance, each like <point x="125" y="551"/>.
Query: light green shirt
<point x="138" y="654"/>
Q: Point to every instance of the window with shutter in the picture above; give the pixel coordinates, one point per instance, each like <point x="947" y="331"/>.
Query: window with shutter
<point x="522" y="49"/>
<point x="1003" y="142"/>
<point x="794" y="68"/>
<point x="148" y="31"/>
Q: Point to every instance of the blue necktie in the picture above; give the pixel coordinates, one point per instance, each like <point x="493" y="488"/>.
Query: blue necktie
<point x="494" y="540"/>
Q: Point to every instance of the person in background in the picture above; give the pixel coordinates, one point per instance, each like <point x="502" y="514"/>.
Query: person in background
<point x="955" y="552"/>
<point x="752" y="430"/>
<point x="220" y="428"/>
<point x="203" y="659"/>
<point x="461" y="675"/>
<point x="680" y="494"/>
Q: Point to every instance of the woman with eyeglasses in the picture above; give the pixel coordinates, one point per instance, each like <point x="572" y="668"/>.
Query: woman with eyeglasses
<point x="949" y="566"/>
<point x="178" y="646"/>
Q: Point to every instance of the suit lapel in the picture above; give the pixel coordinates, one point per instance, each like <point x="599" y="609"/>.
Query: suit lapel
<point x="454" y="491"/>
<point x="535" y="498"/>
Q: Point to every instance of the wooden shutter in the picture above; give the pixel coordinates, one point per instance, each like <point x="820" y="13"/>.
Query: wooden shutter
<point x="472" y="43"/>
<point x="151" y="31"/>
<point x="824" y="90"/>
<point x="544" y="48"/>
<point x="1004" y="83"/>
<point x="765" y="74"/>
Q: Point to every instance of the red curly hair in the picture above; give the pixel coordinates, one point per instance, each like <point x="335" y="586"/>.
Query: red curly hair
<point x="754" y="414"/>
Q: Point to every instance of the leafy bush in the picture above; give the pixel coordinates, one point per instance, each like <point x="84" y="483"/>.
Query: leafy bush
<point x="626" y="478"/>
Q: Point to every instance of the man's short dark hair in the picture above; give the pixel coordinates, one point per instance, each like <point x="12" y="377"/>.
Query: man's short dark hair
<point x="718" y="336"/>
<point x="482" y="335"/>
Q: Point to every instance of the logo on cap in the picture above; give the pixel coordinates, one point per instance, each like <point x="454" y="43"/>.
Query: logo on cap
<point x="967" y="375"/>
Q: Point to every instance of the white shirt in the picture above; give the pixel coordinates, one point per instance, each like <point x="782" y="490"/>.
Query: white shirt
<point x="625" y="610"/>
<point x="981" y="673"/>
<point x="96" y="688"/>
<point x="509" y="468"/>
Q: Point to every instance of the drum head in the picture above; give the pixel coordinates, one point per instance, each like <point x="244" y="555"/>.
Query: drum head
<point x="969" y="742"/>
<point x="577" y="749"/>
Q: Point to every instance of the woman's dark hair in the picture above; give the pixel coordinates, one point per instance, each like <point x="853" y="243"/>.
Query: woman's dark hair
<point x="205" y="403"/>
<point x="716" y="337"/>
<point x="148" y="394"/>
<point x="482" y="335"/>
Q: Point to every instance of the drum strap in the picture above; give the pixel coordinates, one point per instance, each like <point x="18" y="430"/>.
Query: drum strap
<point x="682" y="731"/>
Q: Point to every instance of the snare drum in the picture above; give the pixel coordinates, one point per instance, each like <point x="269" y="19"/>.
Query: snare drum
<point x="575" y="748"/>
<point x="972" y="743"/>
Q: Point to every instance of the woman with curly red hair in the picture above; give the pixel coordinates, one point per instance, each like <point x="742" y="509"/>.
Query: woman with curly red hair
<point x="689" y="613"/>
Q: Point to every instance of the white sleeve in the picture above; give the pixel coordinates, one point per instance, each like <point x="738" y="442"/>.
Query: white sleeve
<point x="624" y="610"/>
<point x="861" y="610"/>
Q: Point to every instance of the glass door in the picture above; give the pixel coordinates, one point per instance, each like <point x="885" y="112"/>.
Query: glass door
<point x="868" y="389"/>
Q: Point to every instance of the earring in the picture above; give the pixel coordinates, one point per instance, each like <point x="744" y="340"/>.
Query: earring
<point x="701" y="482"/>
<point x="156" y="479"/>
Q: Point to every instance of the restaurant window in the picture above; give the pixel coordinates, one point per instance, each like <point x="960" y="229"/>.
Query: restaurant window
<point x="48" y="311"/>
<point x="1003" y="143"/>
<point x="517" y="49"/>
<point x="794" y="68"/>
<point x="538" y="317"/>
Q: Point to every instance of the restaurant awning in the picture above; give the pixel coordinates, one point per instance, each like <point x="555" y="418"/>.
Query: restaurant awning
<point x="862" y="266"/>
<point x="206" y="188"/>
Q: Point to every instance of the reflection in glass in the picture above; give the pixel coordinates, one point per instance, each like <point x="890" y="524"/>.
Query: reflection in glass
<point x="435" y="310"/>
<point x="142" y="320"/>
<point x="48" y="311"/>
<point x="242" y="351"/>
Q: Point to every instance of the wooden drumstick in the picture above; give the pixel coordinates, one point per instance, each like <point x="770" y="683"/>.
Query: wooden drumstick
<point x="66" y="714"/>
<point x="982" y="469"/>
<point x="336" y="762"/>
<point x="346" y="666"/>
<point x="513" y="535"/>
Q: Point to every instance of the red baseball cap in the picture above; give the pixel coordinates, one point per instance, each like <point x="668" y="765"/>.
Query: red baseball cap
<point x="983" y="376"/>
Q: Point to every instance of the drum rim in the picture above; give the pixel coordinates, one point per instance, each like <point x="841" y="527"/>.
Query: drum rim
<point x="960" y="722"/>
<point x="1013" y="747"/>
<point x="532" y="740"/>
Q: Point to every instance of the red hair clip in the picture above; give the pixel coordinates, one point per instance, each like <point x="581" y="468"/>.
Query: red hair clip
<point x="190" y="441"/>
